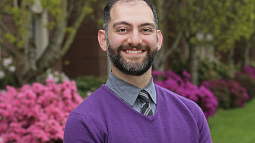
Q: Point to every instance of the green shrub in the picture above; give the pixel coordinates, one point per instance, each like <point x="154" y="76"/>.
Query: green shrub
<point x="88" y="84"/>
<point x="248" y="82"/>
<point x="7" y="80"/>
<point x="178" y="62"/>
<point x="206" y="71"/>
<point x="224" y="70"/>
<point x="214" y="70"/>
<point x="59" y="77"/>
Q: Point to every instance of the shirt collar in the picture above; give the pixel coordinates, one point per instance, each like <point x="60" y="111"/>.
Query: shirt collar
<point x="127" y="91"/>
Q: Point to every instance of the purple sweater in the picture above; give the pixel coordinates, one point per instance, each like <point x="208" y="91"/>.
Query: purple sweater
<point x="104" y="117"/>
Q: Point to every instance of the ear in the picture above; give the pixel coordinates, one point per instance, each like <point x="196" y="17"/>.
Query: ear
<point x="102" y="40"/>
<point x="160" y="39"/>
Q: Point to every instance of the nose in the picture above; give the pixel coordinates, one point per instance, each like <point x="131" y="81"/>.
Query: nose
<point x="135" y="38"/>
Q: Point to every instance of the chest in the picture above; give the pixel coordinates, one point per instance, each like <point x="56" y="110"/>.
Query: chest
<point x="170" y="128"/>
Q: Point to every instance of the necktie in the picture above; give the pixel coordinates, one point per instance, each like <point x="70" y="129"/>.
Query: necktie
<point x="145" y="109"/>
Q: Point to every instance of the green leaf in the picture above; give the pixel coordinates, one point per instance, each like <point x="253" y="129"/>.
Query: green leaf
<point x="70" y="30"/>
<point x="20" y="44"/>
<point x="11" y="39"/>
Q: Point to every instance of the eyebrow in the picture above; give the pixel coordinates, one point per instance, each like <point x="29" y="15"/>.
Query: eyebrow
<point x="147" y="24"/>
<point x="121" y="23"/>
<point x="128" y="24"/>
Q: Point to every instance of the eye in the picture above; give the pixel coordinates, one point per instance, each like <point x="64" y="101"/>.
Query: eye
<point x="146" y="30"/>
<point x="122" y="30"/>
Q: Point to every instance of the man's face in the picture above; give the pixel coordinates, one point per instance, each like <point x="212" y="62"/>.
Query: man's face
<point x="132" y="37"/>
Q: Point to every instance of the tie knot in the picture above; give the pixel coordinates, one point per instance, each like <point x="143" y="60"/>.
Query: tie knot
<point x="143" y="95"/>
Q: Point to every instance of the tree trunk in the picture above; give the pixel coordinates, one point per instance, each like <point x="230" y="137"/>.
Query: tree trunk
<point x="193" y="64"/>
<point x="173" y="46"/>
<point x="247" y="49"/>
<point x="231" y="57"/>
<point x="53" y="49"/>
<point x="211" y="53"/>
<point x="29" y="63"/>
<point x="246" y="56"/>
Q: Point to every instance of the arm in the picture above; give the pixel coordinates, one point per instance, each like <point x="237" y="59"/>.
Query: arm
<point x="79" y="129"/>
<point x="204" y="131"/>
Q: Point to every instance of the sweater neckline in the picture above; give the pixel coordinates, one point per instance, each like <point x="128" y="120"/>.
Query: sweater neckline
<point x="151" y="118"/>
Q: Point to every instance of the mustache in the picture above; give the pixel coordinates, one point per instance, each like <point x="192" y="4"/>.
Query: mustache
<point x="130" y="47"/>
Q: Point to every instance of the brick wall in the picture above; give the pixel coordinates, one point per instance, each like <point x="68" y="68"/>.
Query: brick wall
<point x="85" y="56"/>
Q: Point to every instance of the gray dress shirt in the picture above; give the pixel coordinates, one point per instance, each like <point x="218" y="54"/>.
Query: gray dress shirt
<point x="129" y="93"/>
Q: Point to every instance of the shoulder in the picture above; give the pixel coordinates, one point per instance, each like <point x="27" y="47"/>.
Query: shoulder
<point x="165" y="93"/>
<point x="95" y="101"/>
<point x="183" y="106"/>
<point x="87" y="120"/>
<point x="80" y="128"/>
<point x="176" y="101"/>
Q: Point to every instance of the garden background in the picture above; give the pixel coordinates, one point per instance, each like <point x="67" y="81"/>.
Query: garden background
<point x="50" y="62"/>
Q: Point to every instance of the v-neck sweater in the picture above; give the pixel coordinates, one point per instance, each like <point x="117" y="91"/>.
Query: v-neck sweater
<point x="105" y="118"/>
<point x="129" y="92"/>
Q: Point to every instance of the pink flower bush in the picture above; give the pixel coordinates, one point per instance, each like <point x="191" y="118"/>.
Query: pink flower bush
<point x="249" y="70"/>
<point x="246" y="78"/>
<point x="182" y="86"/>
<point x="37" y="113"/>
<point x="229" y="92"/>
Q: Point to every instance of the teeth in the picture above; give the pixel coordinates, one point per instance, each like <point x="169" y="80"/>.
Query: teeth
<point x="129" y="51"/>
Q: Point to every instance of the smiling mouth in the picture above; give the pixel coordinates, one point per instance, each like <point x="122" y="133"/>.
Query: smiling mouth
<point x="134" y="51"/>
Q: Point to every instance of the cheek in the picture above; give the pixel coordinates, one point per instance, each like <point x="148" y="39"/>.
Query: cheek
<point x="151" y="41"/>
<point x="116" y="40"/>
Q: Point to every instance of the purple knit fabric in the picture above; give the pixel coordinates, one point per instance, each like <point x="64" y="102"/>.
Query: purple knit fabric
<point x="104" y="117"/>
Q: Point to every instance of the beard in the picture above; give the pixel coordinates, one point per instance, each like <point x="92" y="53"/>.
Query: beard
<point x="134" y="66"/>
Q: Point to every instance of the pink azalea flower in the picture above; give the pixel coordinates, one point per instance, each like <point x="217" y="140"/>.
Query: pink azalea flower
<point x="37" y="113"/>
<point x="182" y="86"/>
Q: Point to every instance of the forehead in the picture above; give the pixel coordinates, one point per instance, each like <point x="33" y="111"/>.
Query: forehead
<point x="135" y="11"/>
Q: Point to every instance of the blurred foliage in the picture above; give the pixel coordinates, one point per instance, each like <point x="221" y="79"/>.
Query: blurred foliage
<point x="178" y="62"/>
<point x="88" y="84"/>
<point x="182" y="86"/>
<point x="19" y="20"/>
<point x="7" y="80"/>
<point x="252" y="63"/>
<point x="248" y="82"/>
<point x="222" y="93"/>
<point x="209" y="22"/>
<point x="207" y="70"/>
<point x="226" y="20"/>
<point x="212" y="70"/>
<point x="229" y="92"/>
<point x="21" y="15"/>
<point x="58" y="77"/>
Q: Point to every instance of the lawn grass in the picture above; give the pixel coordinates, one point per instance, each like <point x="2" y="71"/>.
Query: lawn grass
<point x="234" y="125"/>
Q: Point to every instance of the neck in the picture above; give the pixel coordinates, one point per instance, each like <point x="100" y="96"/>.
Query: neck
<point x="140" y="81"/>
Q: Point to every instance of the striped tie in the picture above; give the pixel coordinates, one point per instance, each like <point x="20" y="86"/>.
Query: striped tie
<point x="146" y="108"/>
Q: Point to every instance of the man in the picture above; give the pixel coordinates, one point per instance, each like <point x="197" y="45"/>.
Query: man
<point x="129" y="107"/>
